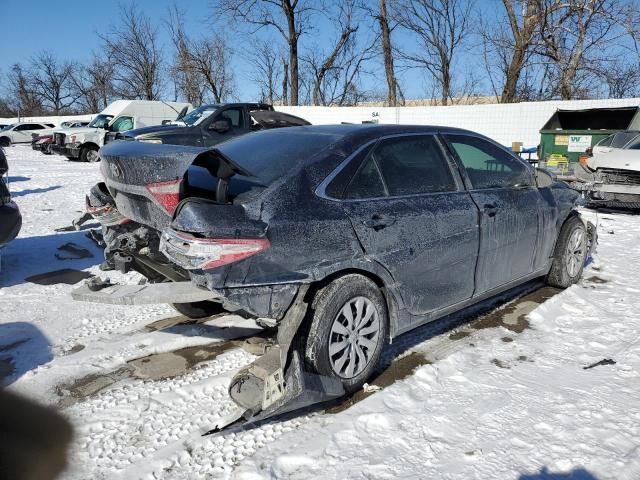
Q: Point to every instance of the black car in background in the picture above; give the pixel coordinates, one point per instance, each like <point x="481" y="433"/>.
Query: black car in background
<point x="209" y="125"/>
<point x="10" y="218"/>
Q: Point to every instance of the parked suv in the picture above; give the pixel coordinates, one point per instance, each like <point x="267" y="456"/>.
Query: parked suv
<point x="21" y="132"/>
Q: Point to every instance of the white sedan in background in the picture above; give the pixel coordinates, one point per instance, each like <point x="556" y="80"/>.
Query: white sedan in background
<point x="21" y="132"/>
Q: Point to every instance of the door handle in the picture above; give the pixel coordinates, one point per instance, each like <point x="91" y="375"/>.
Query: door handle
<point x="378" y="222"/>
<point x="490" y="209"/>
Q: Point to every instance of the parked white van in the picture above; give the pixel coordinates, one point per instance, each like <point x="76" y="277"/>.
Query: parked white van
<point x="120" y="116"/>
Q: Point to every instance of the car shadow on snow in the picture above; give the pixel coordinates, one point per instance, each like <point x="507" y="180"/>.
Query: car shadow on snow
<point x="29" y="191"/>
<point x="18" y="178"/>
<point x="27" y="257"/>
<point x="23" y="347"/>
<point x="544" y="474"/>
<point x="477" y="316"/>
<point x="490" y="313"/>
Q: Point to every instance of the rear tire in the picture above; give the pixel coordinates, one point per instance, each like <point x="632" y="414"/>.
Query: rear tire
<point x="197" y="310"/>
<point x="569" y="255"/>
<point x="89" y="154"/>
<point x="348" y="331"/>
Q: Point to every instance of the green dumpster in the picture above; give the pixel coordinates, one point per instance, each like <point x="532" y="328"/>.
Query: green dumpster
<point x="568" y="133"/>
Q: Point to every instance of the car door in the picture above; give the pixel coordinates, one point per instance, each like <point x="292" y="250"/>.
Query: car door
<point x="236" y="121"/>
<point x="22" y="133"/>
<point x="503" y="188"/>
<point x="412" y="215"/>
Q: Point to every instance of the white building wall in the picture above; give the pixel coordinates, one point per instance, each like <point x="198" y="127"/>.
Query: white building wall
<point x="505" y="123"/>
<point x="56" y="120"/>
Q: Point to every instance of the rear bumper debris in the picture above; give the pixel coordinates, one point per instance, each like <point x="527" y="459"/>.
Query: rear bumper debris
<point x="148" y="294"/>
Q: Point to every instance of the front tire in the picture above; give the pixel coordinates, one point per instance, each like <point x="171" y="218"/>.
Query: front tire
<point x="569" y="255"/>
<point x="5" y="142"/>
<point x="348" y="330"/>
<point x="89" y="154"/>
<point x="196" y="310"/>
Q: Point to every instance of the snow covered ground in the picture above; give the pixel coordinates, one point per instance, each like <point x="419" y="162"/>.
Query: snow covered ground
<point x="506" y="397"/>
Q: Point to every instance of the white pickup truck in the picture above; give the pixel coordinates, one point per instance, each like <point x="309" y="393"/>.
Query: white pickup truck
<point x="119" y="116"/>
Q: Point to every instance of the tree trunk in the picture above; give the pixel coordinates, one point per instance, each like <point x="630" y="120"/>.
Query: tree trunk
<point x="388" y="55"/>
<point x="285" y="83"/>
<point x="289" y="11"/>
<point x="509" y="91"/>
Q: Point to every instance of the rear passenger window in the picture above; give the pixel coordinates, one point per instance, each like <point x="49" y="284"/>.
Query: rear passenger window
<point x="366" y="183"/>
<point x="488" y="165"/>
<point x="412" y="165"/>
<point x="234" y="115"/>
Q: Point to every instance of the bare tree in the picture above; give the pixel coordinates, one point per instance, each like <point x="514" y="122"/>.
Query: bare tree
<point x="267" y="71"/>
<point x="201" y="66"/>
<point x="134" y="51"/>
<point x="23" y="98"/>
<point x="570" y="32"/>
<point x="93" y="84"/>
<point x="440" y="27"/>
<point x="621" y="80"/>
<point x="211" y="58"/>
<point x="183" y="70"/>
<point x="320" y="65"/>
<point x="52" y="81"/>
<point x="290" y="18"/>
<point x="512" y="46"/>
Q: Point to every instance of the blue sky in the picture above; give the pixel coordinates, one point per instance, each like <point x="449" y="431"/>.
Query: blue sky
<point x="70" y="29"/>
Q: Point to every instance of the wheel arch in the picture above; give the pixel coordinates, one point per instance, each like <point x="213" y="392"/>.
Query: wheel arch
<point x="91" y="145"/>
<point x="382" y="280"/>
<point x="573" y="213"/>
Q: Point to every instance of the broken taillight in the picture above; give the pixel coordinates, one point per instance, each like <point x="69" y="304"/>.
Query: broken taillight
<point x="192" y="253"/>
<point x="167" y="194"/>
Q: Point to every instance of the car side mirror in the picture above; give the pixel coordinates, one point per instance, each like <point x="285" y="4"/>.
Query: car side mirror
<point x="221" y="126"/>
<point x="166" y="122"/>
<point x="544" y="178"/>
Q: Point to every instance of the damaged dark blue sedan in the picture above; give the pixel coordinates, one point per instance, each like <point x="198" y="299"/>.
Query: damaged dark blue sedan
<point x="346" y="236"/>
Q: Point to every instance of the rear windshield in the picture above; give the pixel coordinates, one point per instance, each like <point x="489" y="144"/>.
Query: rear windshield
<point x="272" y="154"/>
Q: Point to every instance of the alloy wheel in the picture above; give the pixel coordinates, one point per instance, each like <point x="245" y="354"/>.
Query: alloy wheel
<point x="575" y="252"/>
<point x="354" y="337"/>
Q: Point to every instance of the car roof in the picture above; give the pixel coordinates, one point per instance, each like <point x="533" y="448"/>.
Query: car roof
<point x="368" y="131"/>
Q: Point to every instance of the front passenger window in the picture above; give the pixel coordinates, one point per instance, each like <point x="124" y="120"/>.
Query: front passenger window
<point x="489" y="166"/>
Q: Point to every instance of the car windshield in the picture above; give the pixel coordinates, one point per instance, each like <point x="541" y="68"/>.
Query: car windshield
<point x="272" y="154"/>
<point x="100" y="121"/>
<point x="8" y="127"/>
<point x="199" y="115"/>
